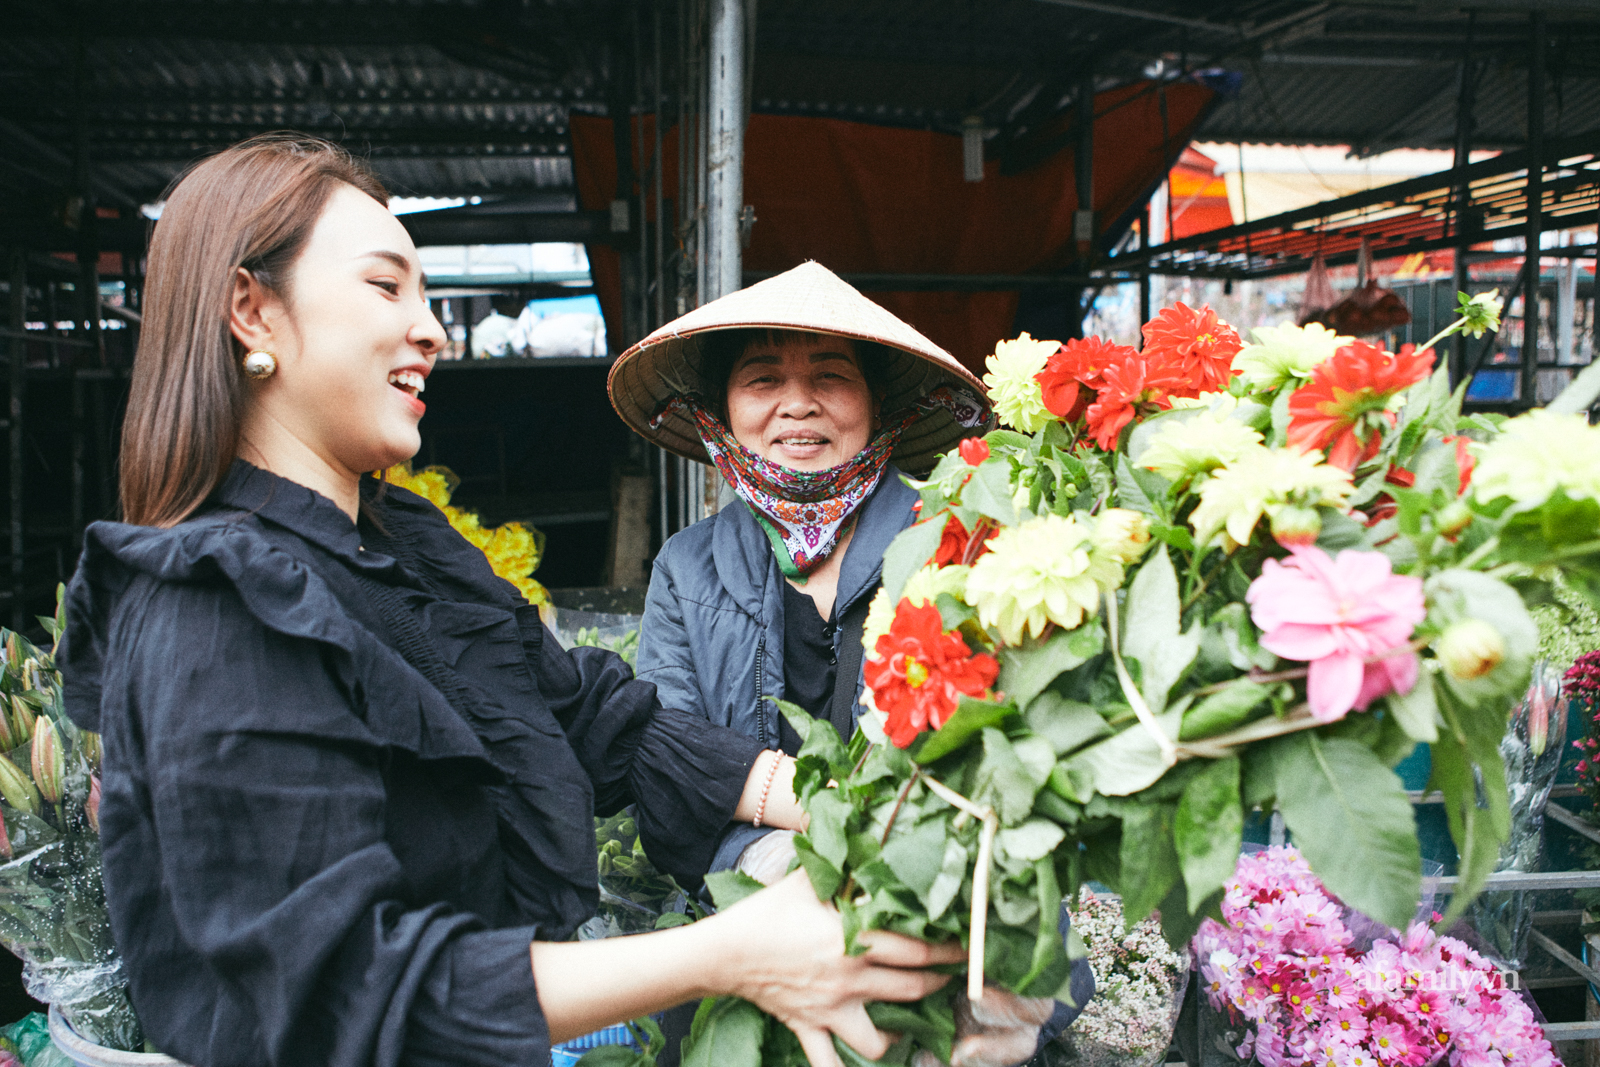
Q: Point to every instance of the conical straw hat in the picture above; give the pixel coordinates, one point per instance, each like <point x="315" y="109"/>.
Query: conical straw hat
<point x="809" y="297"/>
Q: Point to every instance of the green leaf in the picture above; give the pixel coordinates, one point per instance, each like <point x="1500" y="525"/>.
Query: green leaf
<point x="1050" y="967"/>
<point x="826" y="878"/>
<point x="1003" y="781"/>
<point x="1151" y="629"/>
<point x="727" y="1032"/>
<point x="611" y="1056"/>
<point x="915" y="857"/>
<point x="1141" y="490"/>
<point x="929" y="1021"/>
<point x="826" y="832"/>
<point x="1008" y="439"/>
<point x="730" y="887"/>
<point x="953" y="869"/>
<point x="1340" y="531"/>
<point x="969" y="719"/>
<point x="1149" y="860"/>
<point x="909" y="552"/>
<point x="1021" y="847"/>
<point x="1352" y="820"/>
<point x="1178" y="537"/>
<point x="1067" y="724"/>
<point x="952" y="612"/>
<point x="989" y="492"/>
<point x="1223" y="710"/>
<point x="820" y="739"/>
<point x="1417" y="712"/>
<point x="1026" y="669"/>
<point x="1280" y="418"/>
<point x="1467" y="770"/>
<point x="1207" y="829"/>
<point x="1126" y="763"/>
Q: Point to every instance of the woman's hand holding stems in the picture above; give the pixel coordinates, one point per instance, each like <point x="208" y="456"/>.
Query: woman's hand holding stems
<point x="782" y="949"/>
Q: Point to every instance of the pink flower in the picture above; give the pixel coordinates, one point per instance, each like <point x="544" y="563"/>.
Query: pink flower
<point x="1349" y="617"/>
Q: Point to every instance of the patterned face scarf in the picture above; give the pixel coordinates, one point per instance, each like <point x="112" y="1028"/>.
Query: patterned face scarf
<point x="804" y="512"/>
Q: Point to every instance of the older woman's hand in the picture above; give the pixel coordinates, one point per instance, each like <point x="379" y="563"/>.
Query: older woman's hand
<point x="1000" y="1030"/>
<point x="786" y="949"/>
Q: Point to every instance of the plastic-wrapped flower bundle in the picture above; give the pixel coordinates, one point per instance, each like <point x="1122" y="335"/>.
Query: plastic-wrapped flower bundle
<point x="1139" y="986"/>
<point x="52" y="899"/>
<point x="1284" y="962"/>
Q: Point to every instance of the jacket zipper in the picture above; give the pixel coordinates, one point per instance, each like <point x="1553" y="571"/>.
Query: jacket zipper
<point x="761" y="705"/>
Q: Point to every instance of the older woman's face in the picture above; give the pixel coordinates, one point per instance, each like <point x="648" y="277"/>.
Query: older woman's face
<point x="803" y="403"/>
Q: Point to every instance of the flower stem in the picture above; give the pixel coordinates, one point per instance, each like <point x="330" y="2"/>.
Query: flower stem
<point x="1478" y="554"/>
<point x="905" y="791"/>
<point x="1442" y="334"/>
<point x="980" y="905"/>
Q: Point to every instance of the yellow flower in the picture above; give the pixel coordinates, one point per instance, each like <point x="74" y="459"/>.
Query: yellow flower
<point x="1283" y="354"/>
<point x="1197" y="445"/>
<point x="513" y="550"/>
<point x="1536" y="454"/>
<point x="1121" y="535"/>
<point x="1044" y="571"/>
<point x="1262" y="481"/>
<point x="1018" y="400"/>
<point x="923" y="587"/>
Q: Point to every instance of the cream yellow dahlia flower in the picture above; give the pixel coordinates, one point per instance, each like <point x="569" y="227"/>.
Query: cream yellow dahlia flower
<point x="1018" y="399"/>
<point x="1043" y="571"/>
<point x="1262" y="481"/>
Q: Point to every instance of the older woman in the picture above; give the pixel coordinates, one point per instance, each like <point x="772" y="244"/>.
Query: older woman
<point x="801" y="391"/>
<point x="349" y="779"/>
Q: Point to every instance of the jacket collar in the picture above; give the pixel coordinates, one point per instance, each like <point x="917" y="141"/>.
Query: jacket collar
<point x="299" y="510"/>
<point x="745" y="563"/>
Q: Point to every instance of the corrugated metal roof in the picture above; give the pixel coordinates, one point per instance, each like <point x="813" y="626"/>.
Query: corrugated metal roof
<point x="473" y="96"/>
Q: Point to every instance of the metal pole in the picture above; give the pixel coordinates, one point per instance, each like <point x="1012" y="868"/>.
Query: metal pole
<point x="659" y="185"/>
<point x="19" y="382"/>
<point x="1083" y="227"/>
<point x="1535" y="192"/>
<point x="1466" y="100"/>
<point x="1144" y="275"/>
<point x="724" y="148"/>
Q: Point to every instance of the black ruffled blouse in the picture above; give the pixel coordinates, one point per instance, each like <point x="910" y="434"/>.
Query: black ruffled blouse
<point x="349" y="777"/>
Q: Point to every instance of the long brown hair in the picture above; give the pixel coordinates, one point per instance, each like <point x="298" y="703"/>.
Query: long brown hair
<point x="253" y="206"/>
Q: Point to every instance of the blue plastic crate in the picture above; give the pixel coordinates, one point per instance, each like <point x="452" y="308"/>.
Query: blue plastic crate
<point x="569" y="1053"/>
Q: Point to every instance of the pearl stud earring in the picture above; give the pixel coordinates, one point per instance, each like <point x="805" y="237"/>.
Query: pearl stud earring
<point x="259" y="365"/>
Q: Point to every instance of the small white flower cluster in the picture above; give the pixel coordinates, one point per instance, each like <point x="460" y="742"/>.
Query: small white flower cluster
<point x="1136" y="976"/>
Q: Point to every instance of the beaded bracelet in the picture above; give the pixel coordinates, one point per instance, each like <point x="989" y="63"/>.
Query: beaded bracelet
<point x="766" y="788"/>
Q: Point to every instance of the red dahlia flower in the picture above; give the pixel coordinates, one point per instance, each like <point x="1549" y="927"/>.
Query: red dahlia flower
<point x="918" y="673"/>
<point x="1073" y="373"/>
<point x="1199" y="346"/>
<point x="1345" y="403"/>
<point x="955" y="540"/>
<point x="1132" y="387"/>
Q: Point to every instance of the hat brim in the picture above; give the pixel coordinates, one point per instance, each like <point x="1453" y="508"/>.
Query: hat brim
<point x="811" y="298"/>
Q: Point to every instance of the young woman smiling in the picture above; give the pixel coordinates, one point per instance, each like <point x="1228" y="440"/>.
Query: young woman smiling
<point x="349" y="779"/>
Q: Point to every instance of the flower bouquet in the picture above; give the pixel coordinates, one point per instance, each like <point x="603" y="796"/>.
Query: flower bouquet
<point x="1139" y="987"/>
<point x="1284" y="967"/>
<point x="52" y="900"/>
<point x="1187" y="582"/>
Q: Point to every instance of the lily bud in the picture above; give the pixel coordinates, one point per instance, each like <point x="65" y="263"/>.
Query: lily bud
<point x="13" y="651"/>
<point x="1296" y="527"/>
<point x="22" y="719"/>
<point x="1122" y="534"/>
<point x="1454" y="518"/>
<point x="1470" y="649"/>
<point x="91" y="807"/>
<point x="974" y="450"/>
<point x="92" y="750"/>
<point x="5" y="839"/>
<point x="49" y="764"/>
<point x="16" y="789"/>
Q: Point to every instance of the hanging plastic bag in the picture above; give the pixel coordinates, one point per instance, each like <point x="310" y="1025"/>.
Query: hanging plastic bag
<point x="1320" y="294"/>
<point x="1368" y="309"/>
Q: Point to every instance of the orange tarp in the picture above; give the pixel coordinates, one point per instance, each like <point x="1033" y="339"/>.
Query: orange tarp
<point x="874" y="199"/>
